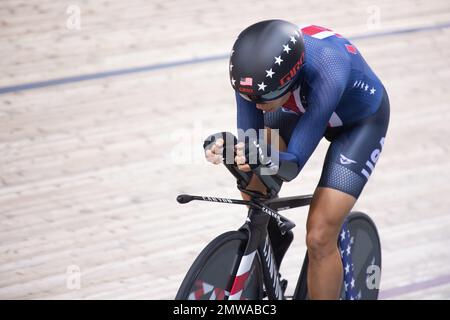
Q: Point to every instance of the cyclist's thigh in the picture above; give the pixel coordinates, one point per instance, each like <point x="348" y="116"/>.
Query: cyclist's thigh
<point x="353" y="153"/>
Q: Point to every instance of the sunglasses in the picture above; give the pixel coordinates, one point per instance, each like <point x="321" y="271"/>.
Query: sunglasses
<point x="270" y="96"/>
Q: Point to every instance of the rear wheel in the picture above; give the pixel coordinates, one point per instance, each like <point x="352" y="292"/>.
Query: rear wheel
<point x="212" y="273"/>
<point x="360" y="249"/>
<point x="362" y="267"/>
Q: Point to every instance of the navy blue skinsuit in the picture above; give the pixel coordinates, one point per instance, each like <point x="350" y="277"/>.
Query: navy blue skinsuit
<point x="337" y="96"/>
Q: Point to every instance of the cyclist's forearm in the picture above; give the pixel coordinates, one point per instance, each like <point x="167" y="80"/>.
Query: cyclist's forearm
<point x="288" y="167"/>
<point x="288" y="170"/>
<point x="278" y="166"/>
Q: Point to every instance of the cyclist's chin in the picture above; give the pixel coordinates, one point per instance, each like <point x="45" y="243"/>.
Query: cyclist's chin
<point x="266" y="108"/>
<point x="273" y="109"/>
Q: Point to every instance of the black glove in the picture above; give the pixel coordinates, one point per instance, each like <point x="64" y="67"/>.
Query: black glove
<point x="228" y="146"/>
<point x="266" y="162"/>
<point x="258" y="155"/>
<point x="242" y="178"/>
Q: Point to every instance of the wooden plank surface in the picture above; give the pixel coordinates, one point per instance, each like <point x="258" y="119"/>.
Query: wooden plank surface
<point x="89" y="171"/>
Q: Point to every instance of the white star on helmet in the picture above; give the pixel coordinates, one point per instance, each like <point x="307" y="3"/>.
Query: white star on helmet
<point x="286" y="48"/>
<point x="261" y="86"/>
<point x="278" y="60"/>
<point x="270" y="73"/>
<point x="293" y="39"/>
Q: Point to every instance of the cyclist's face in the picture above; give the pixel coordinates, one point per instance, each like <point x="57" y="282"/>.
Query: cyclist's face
<point x="273" y="105"/>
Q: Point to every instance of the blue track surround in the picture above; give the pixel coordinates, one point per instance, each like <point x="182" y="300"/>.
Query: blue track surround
<point x="154" y="67"/>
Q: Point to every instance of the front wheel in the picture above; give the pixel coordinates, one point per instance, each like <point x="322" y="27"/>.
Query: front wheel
<point x="212" y="274"/>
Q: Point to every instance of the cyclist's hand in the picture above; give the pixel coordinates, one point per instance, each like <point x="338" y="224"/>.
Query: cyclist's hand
<point x="215" y="153"/>
<point x="219" y="148"/>
<point x="240" y="158"/>
<point x="252" y="156"/>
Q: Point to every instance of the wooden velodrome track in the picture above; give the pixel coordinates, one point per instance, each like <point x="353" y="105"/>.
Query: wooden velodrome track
<point x="89" y="170"/>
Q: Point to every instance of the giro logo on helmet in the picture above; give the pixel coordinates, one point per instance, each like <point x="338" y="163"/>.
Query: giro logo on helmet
<point x="291" y="74"/>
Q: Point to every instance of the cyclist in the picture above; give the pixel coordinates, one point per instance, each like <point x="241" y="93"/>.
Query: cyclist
<point x="308" y="82"/>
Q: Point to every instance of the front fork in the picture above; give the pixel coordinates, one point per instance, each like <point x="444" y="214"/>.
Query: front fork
<point x="258" y="241"/>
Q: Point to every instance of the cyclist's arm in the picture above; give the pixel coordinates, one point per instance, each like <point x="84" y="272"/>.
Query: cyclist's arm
<point x="248" y="116"/>
<point x="329" y="75"/>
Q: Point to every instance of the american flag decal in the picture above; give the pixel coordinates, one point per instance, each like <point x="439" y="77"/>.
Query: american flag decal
<point x="246" y="81"/>
<point x="318" y="32"/>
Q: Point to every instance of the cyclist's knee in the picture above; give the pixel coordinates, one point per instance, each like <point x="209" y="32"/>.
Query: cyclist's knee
<point x="327" y="213"/>
<point x="321" y="241"/>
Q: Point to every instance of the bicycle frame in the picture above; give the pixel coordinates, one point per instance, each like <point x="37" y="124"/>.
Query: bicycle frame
<point x="258" y="217"/>
<point x="258" y="242"/>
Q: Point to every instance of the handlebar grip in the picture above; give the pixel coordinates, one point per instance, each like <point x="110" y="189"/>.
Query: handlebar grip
<point x="184" y="198"/>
